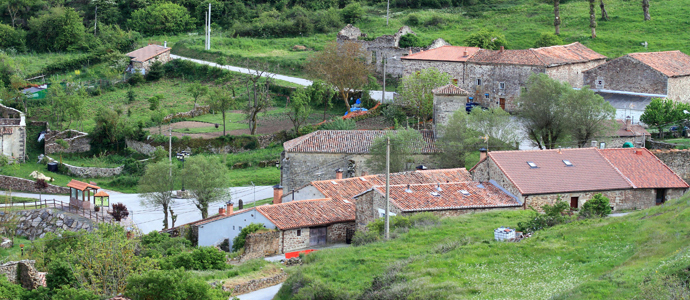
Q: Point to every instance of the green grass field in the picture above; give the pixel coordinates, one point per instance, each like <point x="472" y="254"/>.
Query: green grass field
<point x="591" y="259"/>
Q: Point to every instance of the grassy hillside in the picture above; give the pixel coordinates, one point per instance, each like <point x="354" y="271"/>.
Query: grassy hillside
<point x="591" y="259"/>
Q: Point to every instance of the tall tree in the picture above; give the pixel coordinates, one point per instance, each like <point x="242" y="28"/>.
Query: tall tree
<point x="197" y="90"/>
<point x="604" y="14"/>
<point x="258" y="87"/>
<point x="457" y="141"/>
<point x="321" y="93"/>
<point x="156" y="187"/>
<point x="205" y="178"/>
<point x="592" y="19"/>
<point x="416" y="91"/>
<point x="541" y="110"/>
<point x="404" y="143"/>
<point x="557" y="16"/>
<point x="588" y="116"/>
<point x="221" y="100"/>
<point x="495" y="123"/>
<point x="664" y="112"/>
<point x="645" y="10"/>
<point x="299" y="109"/>
<point x="343" y="66"/>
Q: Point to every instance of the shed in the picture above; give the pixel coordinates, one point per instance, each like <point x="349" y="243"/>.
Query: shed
<point x="143" y="58"/>
<point x="80" y="193"/>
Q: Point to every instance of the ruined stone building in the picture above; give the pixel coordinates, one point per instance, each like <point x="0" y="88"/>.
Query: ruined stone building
<point x="447" y="100"/>
<point x="657" y="74"/>
<point x="12" y="133"/>
<point x="317" y="155"/>
<point x="631" y="178"/>
<point x="496" y="77"/>
<point x="384" y="47"/>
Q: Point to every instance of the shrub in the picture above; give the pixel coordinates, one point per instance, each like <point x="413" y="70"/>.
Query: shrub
<point x="59" y="275"/>
<point x="4" y="160"/>
<point x="352" y="12"/>
<point x="394" y="113"/>
<point x="161" y="18"/>
<point x="365" y="237"/>
<point x="171" y="285"/>
<point x="412" y="20"/>
<point x="435" y="21"/>
<point x="125" y="181"/>
<point x="339" y="124"/>
<point x="136" y="79"/>
<point x="486" y="39"/>
<point x="119" y="211"/>
<point x="239" y="240"/>
<point x="598" y="206"/>
<point x="410" y="40"/>
<point x="70" y="293"/>
<point x="202" y="258"/>
<point x="552" y="216"/>
<point x="547" y="39"/>
<point x="156" y="71"/>
<point x="10" y="290"/>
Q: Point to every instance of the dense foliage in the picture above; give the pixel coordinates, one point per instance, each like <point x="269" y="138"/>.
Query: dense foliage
<point x="238" y="242"/>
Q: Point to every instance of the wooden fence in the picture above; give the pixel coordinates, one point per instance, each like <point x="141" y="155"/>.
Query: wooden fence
<point x="102" y="216"/>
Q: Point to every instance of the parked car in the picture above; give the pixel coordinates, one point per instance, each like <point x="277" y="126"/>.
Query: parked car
<point x="470" y="105"/>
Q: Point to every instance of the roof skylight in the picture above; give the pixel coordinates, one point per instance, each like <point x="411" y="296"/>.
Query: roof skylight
<point x="567" y="163"/>
<point x="435" y="194"/>
<point x="532" y="164"/>
<point x="465" y="192"/>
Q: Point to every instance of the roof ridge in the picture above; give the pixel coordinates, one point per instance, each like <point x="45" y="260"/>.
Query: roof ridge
<point x="537" y="56"/>
<point x="615" y="168"/>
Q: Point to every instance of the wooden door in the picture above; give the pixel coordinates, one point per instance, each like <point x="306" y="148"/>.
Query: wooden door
<point x="502" y="101"/>
<point x="317" y="236"/>
<point x="573" y="202"/>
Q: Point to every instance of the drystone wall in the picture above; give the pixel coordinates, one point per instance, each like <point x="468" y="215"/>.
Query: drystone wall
<point x="26" y="185"/>
<point x="23" y="272"/>
<point x="78" y="141"/>
<point x="256" y="284"/>
<point x="197" y="111"/>
<point x="140" y="147"/>
<point x="677" y="160"/>
<point x="91" y="172"/>
<point x="36" y="223"/>
<point x="261" y="244"/>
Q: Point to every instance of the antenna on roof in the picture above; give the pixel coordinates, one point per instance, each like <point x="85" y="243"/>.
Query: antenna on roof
<point x="438" y="187"/>
<point x="408" y="190"/>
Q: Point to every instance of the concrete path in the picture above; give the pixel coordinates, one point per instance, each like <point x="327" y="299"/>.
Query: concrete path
<point x="262" y="294"/>
<point x="149" y="219"/>
<point x="619" y="214"/>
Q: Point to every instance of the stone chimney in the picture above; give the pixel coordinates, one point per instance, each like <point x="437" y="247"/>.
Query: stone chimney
<point x="502" y="48"/>
<point x="627" y="123"/>
<point x="594" y="144"/>
<point x="277" y="194"/>
<point x="229" y="209"/>
<point x="465" y="54"/>
<point x="338" y="173"/>
<point x="482" y="154"/>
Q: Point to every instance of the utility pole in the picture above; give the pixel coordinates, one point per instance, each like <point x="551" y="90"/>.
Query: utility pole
<point x="383" y="94"/>
<point x="388" y="187"/>
<point x="388" y="8"/>
<point x="95" y="20"/>
<point x="170" y="149"/>
<point x="208" y="43"/>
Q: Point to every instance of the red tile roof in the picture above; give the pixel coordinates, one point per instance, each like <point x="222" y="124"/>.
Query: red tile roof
<point x="635" y="130"/>
<point x="102" y="194"/>
<point x="590" y="171"/>
<point x="347" y="141"/>
<point x="643" y="168"/>
<point x="148" y="52"/>
<point x="545" y="56"/>
<point x="669" y="63"/>
<point x="82" y="186"/>
<point x="444" y="53"/>
<point x="426" y="197"/>
<point x="308" y="213"/>
<point x="449" y="89"/>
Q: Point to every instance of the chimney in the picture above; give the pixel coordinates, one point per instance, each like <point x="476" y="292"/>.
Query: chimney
<point x="465" y="54"/>
<point x="338" y="173"/>
<point x="482" y="154"/>
<point x="410" y="52"/>
<point x="165" y="44"/>
<point x="277" y="194"/>
<point x="229" y="205"/>
<point x="221" y="210"/>
<point x="365" y="173"/>
<point x="502" y="48"/>
<point x="627" y="123"/>
<point x="594" y="144"/>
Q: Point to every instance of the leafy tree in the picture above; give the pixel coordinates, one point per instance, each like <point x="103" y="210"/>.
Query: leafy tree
<point x="403" y="144"/>
<point x="495" y="123"/>
<point x="158" y="116"/>
<point x="59" y="29"/>
<point x="206" y="180"/>
<point x="131" y="96"/>
<point x="410" y="40"/>
<point x="259" y="96"/>
<point x="197" y="90"/>
<point x="11" y="38"/>
<point x="416" y="91"/>
<point x="486" y="39"/>
<point x="299" y="108"/>
<point x="598" y="206"/>
<point x="161" y="18"/>
<point x="663" y="112"/>
<point x="239" y="240"/>
<point x="553" y="215"/>
<point x="60" y="275"/>
<point x="588" y="115"/>
<point x="547" y="39"/>
<point x="342" y="66"/>
<point x="155" y="102"/>
<point x="156" y="71"/>
<point x="542" y="112"/>
<point x="320" y="92"/>
<point x="352" y="12"/>
<point x="156" y="187"/>
<point x="170" y="284"/>
<point x="221" y="100"/>
<point x="456" y="142"/>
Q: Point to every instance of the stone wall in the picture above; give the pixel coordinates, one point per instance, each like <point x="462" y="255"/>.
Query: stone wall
<point x="78" y="141"/>
<point x="261" y="244"/>
<point x="256" y="284"/>
<point x="626" y="74"/>
<point x="91" y="172"/>
<point x="488" y="170"/>
<point x="12" y="133"/>
<point x="140" y="147"/>
<point x="679" y="89"/>
<point x="573" y="73"/>
<point x="212" y="145"/>
<point x="514" y="77"/>
<point x="22" y="272"/>
<point x="26" y="185"/>
<point x="444" y="108"/>
<point x="337" y="233"/>
<point x="36" y="223"/>
<point x="677" y="160"/>
<point x="197" y="111"/>
<point x="292" y="239"/>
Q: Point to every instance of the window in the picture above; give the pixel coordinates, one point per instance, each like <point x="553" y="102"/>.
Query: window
<point x="239" y="227"/>
<point x="464" y="192"/>
<point x="299" y="232"/>
<point x="502" y="85"/>
<point x="567" y="163"/>
<point x="574" y="202"/>
<point x="486" y="96"/>
<point x="532" y="164"/>
<point x="479" y="81"/>
<point x="80" y="194"/>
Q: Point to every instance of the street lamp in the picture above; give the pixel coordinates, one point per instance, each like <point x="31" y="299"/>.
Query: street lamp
<point x="181" y="157"/>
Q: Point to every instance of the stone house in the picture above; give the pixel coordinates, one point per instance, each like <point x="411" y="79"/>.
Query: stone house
<point x="12" y="134"/>
<point x="660" y="74"/>
<point x="626" y="132"/>
<point x="496" y="77"/>
<point x="447" y="100"/>
<point x="143" y="58"/>
<point x="632" y="178"/>
<point x="316" y="155"/>
<point x="441" y="199"/>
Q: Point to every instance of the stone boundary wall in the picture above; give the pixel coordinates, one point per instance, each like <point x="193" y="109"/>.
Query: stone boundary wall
<point x="261" y="244"/>
<point x="197" y="111"/>
<point x="91" y="172"/>
<point x="26" y="185"/>
<point x="79" y="142"/>
<point x="661" y="145"/>
<point x="35" y="223"/>
<point x="22" y="272"/>
<point x="148" y="149"/>
<point x="140" y="147"/>
<point x="677" y="160"/>
<point x="256" y="284"/>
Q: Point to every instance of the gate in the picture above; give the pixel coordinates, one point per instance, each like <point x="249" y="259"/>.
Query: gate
<point x="317" y="236"/>
<point x="349" y="233"/>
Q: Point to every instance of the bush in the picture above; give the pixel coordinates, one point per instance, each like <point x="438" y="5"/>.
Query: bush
<point x="11" y="38"/>
<point x="412" y="20"/>
<point x="161" y="18"/>
<point x="59" y="275"/>
<point x="598" y="206"/>
<point x="410" y="40"/>
<point x="365" y="237"/>
<point x="394" y="113"/>
<point x="156" y="71"/>
<point x="4" y="160"/>
<point x="136" y="79"/>
<point x="125" y="181"/>
<point x="435" y="21"/>
<point x="352" y="12"/>
<point x="119" y="212"/>
<point x="170" y="285"/>
<point x="10" y="290"/>
<point x="202" y="258"/>
<point x="486" y="39"/>
<point x="552" y="216"/>
<point x="547" y="39"/>
<point x="339" y="124"/>
<point x="239" y="240"/>
<point x="70" y="293"/>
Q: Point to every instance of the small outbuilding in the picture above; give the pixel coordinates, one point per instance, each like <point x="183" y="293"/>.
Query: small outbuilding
<point x="143" y="58"/>
<point x="80" y="194"/>
<point x="12" y="133"/>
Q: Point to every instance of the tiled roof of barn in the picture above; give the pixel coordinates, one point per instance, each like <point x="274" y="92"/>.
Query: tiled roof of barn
<point x="308" y="213"/>
<point x="669" y="63"/>
<point x="347" y="141"/>
<point x="444" y="53"/>
<point x="449" y="89"/>
<point x="345" y="189"/>
<point x="425" y="197"/>
<point x="148" y="52"/>
<point x="545" y="56"/>
<point x="643" y="168"/>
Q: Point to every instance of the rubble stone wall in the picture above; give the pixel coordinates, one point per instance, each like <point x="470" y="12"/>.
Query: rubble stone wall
<point x="677" y="160"/>
<point x="261" y="244"/>
<point x="78" y="141"/>
<point x="256" y="284"/>
<point x="36" y="223"/>
<point x="26" y="185"/>
<point x="22" y="272"/>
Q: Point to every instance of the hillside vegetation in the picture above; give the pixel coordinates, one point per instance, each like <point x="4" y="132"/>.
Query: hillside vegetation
<point x="590" y="259"/>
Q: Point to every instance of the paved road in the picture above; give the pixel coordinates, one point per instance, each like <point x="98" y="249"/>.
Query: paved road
<point x="150" y="219"/>
<point x="263" y="294"/>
